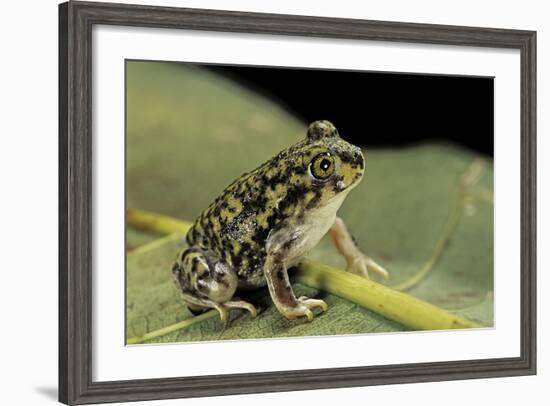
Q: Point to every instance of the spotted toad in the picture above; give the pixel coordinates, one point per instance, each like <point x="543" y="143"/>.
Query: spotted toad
<point x="267" y="220"/>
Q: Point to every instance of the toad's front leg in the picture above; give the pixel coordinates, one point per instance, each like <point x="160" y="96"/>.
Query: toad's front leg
<point x="275" y="271"/>
<point x="357" y="262"/>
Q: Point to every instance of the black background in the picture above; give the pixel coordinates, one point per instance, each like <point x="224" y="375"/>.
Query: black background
<point x="381" y="109"/>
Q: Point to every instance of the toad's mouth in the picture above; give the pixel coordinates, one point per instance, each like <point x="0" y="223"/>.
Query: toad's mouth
<point x="342" y="184"/>
<point x="341" y="187"/>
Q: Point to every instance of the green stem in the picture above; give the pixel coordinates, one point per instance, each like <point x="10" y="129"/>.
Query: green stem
<point x="398" y="306"/>
<point x="156" y="223"/>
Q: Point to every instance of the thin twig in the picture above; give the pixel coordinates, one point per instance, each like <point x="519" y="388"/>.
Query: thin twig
<point x="171" y="328"/>
<point x="470" y="177"/>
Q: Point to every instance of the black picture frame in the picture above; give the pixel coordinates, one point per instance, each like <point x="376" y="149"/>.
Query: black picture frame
<point x="76" y="20"/>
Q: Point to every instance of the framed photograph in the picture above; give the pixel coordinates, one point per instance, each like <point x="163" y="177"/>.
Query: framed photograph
<point x="260" y="202"/>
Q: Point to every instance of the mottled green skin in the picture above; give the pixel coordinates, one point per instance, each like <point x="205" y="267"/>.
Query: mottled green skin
<point x="277" y="195"/>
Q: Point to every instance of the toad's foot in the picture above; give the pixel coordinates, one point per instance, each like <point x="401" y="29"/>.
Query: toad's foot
<point x="358" y="263"/>
<point x="234" y="303"/>
<point x="223" y="308"/>
<point x="303" y="308"/>
<point x="199" y="305"/>
<point x="361" y="265"/>
<point x="237" y="303"/>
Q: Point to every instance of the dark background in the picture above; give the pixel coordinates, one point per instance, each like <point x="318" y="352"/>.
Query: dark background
<point x="381" y="109"/>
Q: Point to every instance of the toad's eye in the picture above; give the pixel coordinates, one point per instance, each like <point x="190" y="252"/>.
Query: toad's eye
<point x="322" y="166"/>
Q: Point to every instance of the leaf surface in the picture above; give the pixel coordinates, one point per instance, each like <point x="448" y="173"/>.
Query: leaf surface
<point x="190" y="133"/>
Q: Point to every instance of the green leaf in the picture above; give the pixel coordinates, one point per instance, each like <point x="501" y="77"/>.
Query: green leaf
<point x="190" y="133"/>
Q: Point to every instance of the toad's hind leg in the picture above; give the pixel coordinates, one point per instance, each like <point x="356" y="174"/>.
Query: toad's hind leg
<point x="206" y="282"/>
